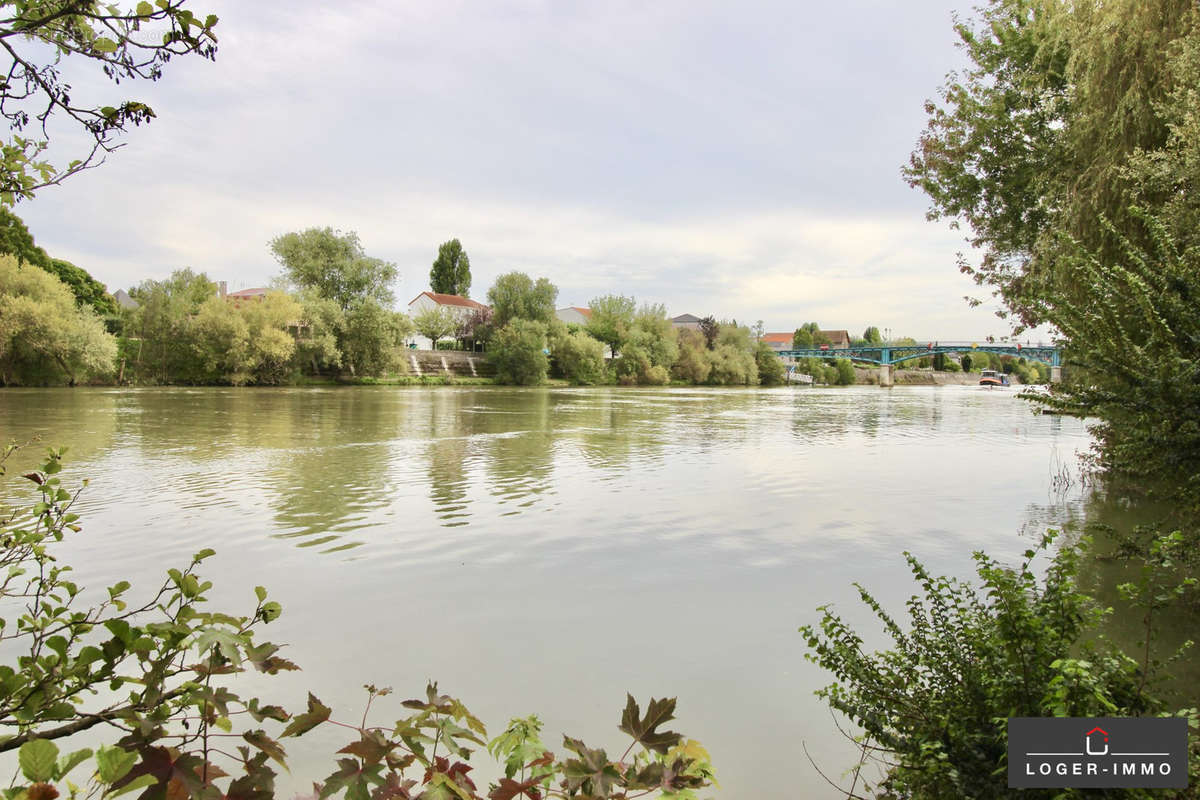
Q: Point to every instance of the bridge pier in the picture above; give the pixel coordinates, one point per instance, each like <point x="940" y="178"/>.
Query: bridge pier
<point x="885" y="375"/>
<point x="1056" y="374"/>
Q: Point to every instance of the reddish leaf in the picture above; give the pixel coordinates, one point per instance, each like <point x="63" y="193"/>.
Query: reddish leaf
<point x="659" y="712"/>
<point x="508" y="789"/>
<point x="317" y="713"/>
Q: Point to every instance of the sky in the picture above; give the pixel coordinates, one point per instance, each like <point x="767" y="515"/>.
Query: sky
<point x="735" y="159"/>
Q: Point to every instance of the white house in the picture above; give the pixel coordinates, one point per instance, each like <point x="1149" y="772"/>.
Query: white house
<point x="460" y="307"/>
<point x="579" y="316"/>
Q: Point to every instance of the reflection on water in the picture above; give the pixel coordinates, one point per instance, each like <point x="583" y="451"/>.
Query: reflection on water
<point x="548" y="550"/>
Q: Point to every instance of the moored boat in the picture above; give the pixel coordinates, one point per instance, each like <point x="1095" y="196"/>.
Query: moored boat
<point x="991" y="377"/>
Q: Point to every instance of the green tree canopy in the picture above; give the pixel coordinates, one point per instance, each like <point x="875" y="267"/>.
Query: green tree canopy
<point x="451" y="271"/>
<point x="16" y="240"/>
<point x="435" y="323"/>
<point x="334" y="265"/>
<point x="611" y="319"/>
<point x="125" y="44"/>
<point x="44" y="333"/>
<point x="872" y="336"/>
<point x="515" y="295"/>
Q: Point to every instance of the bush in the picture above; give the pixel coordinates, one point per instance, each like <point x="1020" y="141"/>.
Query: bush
<point x="579" y="357"/>
<point x="770" y="366"/>
<point x="950" y="365"/>
<point x="732" y="365"/>
<point x="518" y="354"/>
<point x="693" y="364"/>
<point x="970" y="657"/>
<point x="845" y="372"/>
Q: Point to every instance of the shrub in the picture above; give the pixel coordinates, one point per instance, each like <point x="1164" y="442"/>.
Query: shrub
<point x="971" y="656"/>
<point x="579" y="357"/>
<point x="732" y="366"/>
<point x="845" y="372"/>
<point x="770" y="367"/>
<point x="693" y="364"/>
<point x="518" y="353"/>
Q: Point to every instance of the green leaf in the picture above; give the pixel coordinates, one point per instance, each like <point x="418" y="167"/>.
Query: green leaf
<point x="72" y="760"/>
<point x="113" y="763"/>
<point x="140" y="782"/>
<point x="260" y="592"/>
<point x="104" y="45"/>
<point x="144" y="9"/>
<point x="38" y="759"/>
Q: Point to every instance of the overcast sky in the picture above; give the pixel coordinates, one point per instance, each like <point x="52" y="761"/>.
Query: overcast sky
<point x="735" y="159"/>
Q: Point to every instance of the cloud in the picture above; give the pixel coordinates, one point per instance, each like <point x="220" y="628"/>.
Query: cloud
<point x="741" y="160"/>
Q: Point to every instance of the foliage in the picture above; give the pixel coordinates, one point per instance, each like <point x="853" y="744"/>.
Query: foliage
<point x="649" y="349"/>
<point x="933" y="708"/>
<point x="244" y="344"/>
<point x="709" y="327"/>
<point x="1036" y="138"/>
<point x="334" y="265"/>
<point x="872" y="336"/>
<point x="802" y="339"/>
<point x="435" y="323"/>
<point x="966" y="361"/>
<point x="160" y="325"/>
<point x="845" y="372"/>
<point x="451" y="270"/>
<point x="515" y="295"/>
<point x="16" y="240"/>
<point x="1137" y="346"/>
<point x="518" y="353"/>
<point x="770" y="366"/>
<point x="693" y="363"/>
<point x="127" y="45"/>
<point x="153" y="680"/>
<point x="579" y="357"/>
<point x="44" y="335"/>
<point x="611" y="319"/>
<point x="476" y="327"/>
<point x="373" y="337"/>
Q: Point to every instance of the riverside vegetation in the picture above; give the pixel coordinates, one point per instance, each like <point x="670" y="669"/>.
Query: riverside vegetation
<point x="1069" y="147"/>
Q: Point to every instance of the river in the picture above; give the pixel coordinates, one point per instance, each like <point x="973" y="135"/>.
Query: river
<point x="547" y="550"/>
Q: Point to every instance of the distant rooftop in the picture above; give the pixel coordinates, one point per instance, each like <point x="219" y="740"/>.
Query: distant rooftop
<point x="449" y="300"/>
<point x="685" y="318"/>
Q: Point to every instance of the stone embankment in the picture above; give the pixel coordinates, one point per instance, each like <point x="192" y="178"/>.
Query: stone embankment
<point x="921" y="377"/>
<point x="424" y="363"/>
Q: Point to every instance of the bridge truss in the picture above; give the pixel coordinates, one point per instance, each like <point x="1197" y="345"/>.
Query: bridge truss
<point x="897" y="354"/>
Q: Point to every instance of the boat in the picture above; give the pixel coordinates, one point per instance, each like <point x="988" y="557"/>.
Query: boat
<point x="991" y="377"/>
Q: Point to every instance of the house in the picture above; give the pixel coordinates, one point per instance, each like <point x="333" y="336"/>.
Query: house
<point x="778" y="341"/>
<point x="460" y="307"/>
<point x="690" y="321"/>
<point x="124" y="300"/>
<point x="574" y="314"/>
<point x="837" y="338"/>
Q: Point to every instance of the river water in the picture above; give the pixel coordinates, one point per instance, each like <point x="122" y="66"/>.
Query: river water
<point x="548" y="550"/>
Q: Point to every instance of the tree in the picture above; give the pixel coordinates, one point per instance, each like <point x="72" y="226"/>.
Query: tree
<point x="845" y="372"/>
<point x="435" y="323"/>
<point x="710" y="328"/>
<point x="1036" y="137"/>
<point x="579" y="357"/>
<point x="126" y="44"/>
<point x="611" y="319"/>
<point x="476" y="327"/>
<point x="451" y="270"/>
<point x="872" y="336"/>
<point x="16" y="239"/>
<point x="518" y="353"/>
<point x="802" y="339"/>
<point x="334" y="265"/>
<point x="770" y="366"/>
<point x="44" y="334"/>
<point x="515" y="295"/>
<point x="160" y="324"/>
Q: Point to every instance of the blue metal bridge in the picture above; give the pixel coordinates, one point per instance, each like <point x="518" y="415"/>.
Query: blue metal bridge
<point x="889" y="354"/>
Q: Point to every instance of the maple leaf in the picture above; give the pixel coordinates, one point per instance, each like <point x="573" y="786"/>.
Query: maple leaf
<point x="642" y="729"/>
<point x="507" y="789"/>
<point x="317" y="713"/>
<point x="593" y="768"/>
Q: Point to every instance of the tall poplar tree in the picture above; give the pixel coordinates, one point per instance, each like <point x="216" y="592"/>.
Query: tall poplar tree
<point x="451" y="271"/>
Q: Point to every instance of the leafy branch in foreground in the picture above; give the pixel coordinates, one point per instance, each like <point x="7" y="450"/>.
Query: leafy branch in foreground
<point x="158" y="677"/>
<point x="933" y="708"/>
<point x="128" y="44"/>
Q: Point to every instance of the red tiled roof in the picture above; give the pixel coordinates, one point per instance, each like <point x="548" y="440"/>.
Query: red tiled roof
<point x="449" y="300"/>
<point x="259" y="292"/>
<point x="785" y="338"/>
<point x="587" y="312"/>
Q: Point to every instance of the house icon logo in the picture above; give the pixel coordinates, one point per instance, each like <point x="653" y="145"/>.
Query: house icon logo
<point x="1095" y="742"/>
